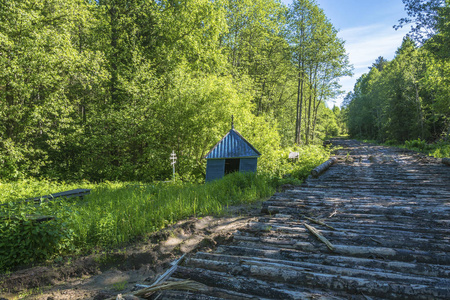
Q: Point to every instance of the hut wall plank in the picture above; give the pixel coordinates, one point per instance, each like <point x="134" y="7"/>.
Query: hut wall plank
<point x="248" y="165"/>
<point x="215" y="169"/>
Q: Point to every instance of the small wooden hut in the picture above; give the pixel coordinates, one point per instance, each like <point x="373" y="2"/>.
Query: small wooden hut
<point x="233" y="153"/>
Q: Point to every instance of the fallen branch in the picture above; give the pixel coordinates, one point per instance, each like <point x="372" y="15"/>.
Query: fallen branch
<point x="319" y="236"/>
<point x="376" y="241"/>
<point x="160" y="284"/>
<point x="188" y="285"/>
<point x="169" y="272"/>
<point x="319" y="223"/>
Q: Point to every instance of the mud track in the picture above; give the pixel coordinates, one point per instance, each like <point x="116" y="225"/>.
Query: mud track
<point x="387" y="216"/>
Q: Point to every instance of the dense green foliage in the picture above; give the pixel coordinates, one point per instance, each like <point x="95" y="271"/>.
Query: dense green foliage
<point x="408" y="98"/>
<point x="440" y="149"/>
<point x="105" y="90"/>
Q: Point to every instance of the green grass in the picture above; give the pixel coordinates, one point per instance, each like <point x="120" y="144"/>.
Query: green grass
<point x="117" y="213"/>
<point x="439" y="149"/>
<point x="29" y="188"/>
<point x="113" y="216"/>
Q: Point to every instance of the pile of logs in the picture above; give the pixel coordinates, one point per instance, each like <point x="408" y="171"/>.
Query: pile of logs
<point x="376" y="226"/>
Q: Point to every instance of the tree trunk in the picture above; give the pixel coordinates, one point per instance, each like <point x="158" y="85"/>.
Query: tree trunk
<point x="298" y="121"/>
<point x="308" y="126"/>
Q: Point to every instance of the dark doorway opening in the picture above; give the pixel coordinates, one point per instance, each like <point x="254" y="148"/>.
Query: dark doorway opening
<point x="231" y="165"/>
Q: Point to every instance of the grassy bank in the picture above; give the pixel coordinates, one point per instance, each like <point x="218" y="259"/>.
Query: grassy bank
<point x="116" y="213"/>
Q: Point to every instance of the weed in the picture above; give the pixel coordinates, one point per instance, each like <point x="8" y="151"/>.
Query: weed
<point x="120" y="286"/>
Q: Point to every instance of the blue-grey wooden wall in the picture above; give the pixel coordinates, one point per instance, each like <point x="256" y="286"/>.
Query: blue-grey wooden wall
<point x="248" y="164"/>
<point x="215" y="168"/>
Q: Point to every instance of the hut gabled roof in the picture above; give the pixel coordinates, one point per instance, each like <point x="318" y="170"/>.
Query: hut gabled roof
<point x="232" y="145"/>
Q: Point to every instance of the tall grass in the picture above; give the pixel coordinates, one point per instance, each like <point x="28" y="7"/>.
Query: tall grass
<point x="29" y="188"/>
<point x="111" y="217"/>
<point x="438" y="149"/>
<point x="116" y="213"/>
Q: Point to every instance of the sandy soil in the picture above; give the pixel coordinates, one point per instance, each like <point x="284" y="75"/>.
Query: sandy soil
<point x="104" y="275"/>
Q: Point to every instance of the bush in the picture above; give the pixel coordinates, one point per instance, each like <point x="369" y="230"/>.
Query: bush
<point x="418" y="145"/>
<point x="25" y="239"/>
<point x="439" y="149"/>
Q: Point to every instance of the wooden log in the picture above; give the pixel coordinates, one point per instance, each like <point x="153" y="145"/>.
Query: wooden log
<point x="323" y="167"/>
<point x="404" y="255"/>
<point x="67" y="194"/>
<point x="428" y="270"/>
<point x="250" y="286"/>
<point x="37" y="219"/>
<point x="446" y="161"/>
<point x="211" y="294"/>
<point x="227" y="263"/>
<point x="371" y="282"/>
<point x="390" y="239"/>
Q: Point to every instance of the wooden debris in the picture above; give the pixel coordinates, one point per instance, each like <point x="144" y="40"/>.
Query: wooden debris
<point x="32" y="218"/>
<point x="159" y="285"/>
<point x="319" y="236"/>
<point x="170" y="271"/>
<point x="376" y="241"/>
<point x="319" y="222"/>
<point x="446" y="161"/>
<point x="188" y="285"/>
<point x="323" y="167"/>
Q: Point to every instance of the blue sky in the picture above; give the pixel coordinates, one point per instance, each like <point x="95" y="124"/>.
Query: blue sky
<point x="366" y="28"/>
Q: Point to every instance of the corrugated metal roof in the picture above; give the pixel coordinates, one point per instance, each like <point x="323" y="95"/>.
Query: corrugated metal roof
<point x="233" y="145"/>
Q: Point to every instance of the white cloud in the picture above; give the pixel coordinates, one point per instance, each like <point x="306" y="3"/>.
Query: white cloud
<point x="364" y="45"/>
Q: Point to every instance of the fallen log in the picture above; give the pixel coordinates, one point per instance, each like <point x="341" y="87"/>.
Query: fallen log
<point x="446" y="161"/>
<point x="421" y="269"/>
<point x="323" y="167"/>
<point x="210" y="294"/>
<point x="250" y="286"/>
<point x="32" y="218"/>
<point x="402" y="255"/>
<point x="241" y="265"/>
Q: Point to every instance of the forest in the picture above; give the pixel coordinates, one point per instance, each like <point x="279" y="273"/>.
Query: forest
<point x="106" y="90"/>
<point x="407" y="100"/>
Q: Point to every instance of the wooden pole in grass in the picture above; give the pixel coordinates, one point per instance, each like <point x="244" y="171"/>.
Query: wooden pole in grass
<point x="173" y="157"/>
